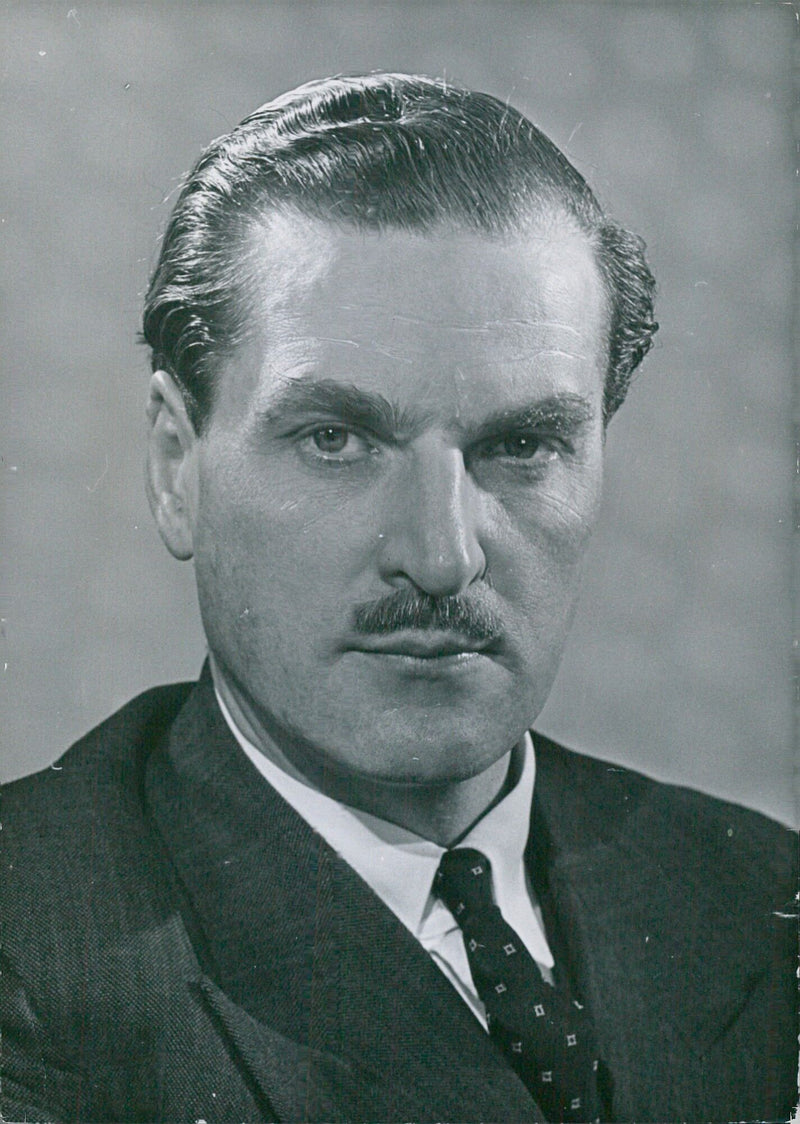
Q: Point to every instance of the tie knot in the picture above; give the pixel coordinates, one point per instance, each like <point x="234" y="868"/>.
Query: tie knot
<point x="464" y="882"/>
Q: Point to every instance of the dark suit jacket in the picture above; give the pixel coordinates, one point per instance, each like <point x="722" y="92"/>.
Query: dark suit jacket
<point x="180" y="946"/>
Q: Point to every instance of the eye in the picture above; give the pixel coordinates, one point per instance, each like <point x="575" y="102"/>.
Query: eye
<point x="335" y="444"/>
<point x="331" y="438"/>
<point x="525" y="452"/>
<point x="521" y="446"/>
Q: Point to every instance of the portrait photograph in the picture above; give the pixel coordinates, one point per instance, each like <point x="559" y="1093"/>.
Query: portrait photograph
<point x="398" y="454"/>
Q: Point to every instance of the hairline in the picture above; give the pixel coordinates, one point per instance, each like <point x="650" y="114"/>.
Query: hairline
<point x="545" y="215"/>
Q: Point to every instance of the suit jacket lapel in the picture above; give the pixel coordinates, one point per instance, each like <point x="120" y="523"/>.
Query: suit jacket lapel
<point x="329" y="1002"/>
<point x="649" y="940"/>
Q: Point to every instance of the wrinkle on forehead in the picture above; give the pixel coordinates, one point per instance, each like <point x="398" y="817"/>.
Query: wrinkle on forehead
<point x="293" y="357"/>
<point x="485" y="327"/>
<point x="331" y="301"/>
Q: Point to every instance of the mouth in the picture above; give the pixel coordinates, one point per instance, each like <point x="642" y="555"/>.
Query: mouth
<point x="427" y="646"/>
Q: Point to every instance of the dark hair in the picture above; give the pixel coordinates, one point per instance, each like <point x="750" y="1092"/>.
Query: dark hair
<point x="375" y="152"/>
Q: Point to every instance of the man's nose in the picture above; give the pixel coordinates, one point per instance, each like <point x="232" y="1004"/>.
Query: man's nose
<point x="432" y="532"/>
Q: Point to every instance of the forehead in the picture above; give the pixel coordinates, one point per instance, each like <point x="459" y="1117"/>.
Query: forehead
<point x="413" y="312"/>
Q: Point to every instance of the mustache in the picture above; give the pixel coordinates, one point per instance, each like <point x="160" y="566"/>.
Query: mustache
<point x="407" y="609"/>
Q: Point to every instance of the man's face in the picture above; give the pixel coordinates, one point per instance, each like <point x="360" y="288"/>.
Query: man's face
<point x="417" y="418"/>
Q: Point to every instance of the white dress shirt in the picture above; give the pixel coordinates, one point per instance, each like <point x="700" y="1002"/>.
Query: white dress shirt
<point x="399" y="866"/>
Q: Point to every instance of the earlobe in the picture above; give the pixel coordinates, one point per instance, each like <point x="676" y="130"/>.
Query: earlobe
<point x="171" y="465"/>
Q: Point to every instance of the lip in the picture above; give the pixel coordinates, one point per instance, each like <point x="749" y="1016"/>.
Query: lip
<point x="441" y="646"/>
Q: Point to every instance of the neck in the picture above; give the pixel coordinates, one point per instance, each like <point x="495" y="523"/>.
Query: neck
<point x="441" y="811"/>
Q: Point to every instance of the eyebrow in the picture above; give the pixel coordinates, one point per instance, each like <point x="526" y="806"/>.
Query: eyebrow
<point x="558" y="414"/>
<point x="299" y="398"/>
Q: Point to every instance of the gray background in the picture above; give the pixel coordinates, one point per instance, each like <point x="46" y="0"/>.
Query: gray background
<point x="680" y="117"/>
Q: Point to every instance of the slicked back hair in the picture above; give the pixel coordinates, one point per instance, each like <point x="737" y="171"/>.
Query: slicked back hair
<point x="384" y="151"/>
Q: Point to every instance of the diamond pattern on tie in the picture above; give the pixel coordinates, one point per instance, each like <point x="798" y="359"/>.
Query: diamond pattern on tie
<point x="544" y="1033"/>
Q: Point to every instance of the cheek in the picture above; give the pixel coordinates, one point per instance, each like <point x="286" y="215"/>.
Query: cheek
<point x="566" y="520"/>
<point x="264" y="545"/>
<point x="557" y="516"/>
<point x="541" y="540"/>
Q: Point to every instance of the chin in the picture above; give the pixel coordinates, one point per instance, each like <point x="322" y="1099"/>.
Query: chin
<point x="452" y="740"/>
<point x="426" y="761"/>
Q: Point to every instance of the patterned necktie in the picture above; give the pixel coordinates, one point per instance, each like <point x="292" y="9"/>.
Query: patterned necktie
<point x="544" y="1033"/>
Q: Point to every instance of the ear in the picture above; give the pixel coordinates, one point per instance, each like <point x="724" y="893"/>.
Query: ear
<point x="171" y="466"/>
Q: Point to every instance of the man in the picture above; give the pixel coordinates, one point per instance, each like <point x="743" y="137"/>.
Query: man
<point x="337" y="879"/>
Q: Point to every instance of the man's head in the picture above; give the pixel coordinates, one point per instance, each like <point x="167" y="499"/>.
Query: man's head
<point x="389" y="324"/>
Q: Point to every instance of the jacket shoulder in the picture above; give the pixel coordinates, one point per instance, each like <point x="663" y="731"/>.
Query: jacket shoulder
<point x="76" y="839"/>
<point x="680" y="827"/>
<point x="116" y="748"/>
<point x="98" y="975"/>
